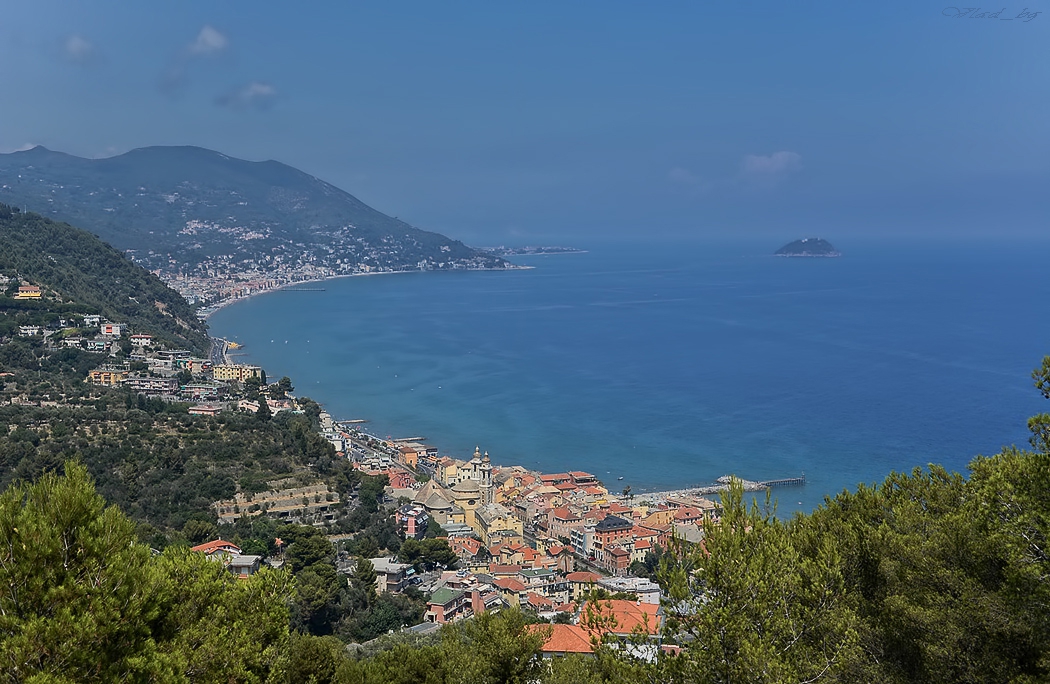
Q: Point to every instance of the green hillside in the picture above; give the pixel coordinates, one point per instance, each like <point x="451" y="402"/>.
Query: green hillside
<point x="184" y="206"/>
<point x="81" y="274"/>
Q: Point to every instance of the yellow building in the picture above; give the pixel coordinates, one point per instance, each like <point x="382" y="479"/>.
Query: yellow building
<point x="665" y="517"/>
<point x="236" y="372"/>
<point x="447" y="472"/>
<point x="28" y="292"/>
<point x="408" y="456"/>
<point x="467" y="495"/>
<point x="495" y="524"/>
<point x="107" y="377"/>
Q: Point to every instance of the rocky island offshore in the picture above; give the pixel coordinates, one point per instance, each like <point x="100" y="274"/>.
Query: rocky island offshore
<point x="808" y="247"/>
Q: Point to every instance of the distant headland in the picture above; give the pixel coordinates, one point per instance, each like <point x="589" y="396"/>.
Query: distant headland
<point x="808" y="247"/>
<point x="502" y="251"/>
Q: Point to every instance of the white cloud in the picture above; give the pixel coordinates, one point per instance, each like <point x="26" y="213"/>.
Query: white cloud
<point x="775" y="164"/>
<point x="209" y="41"/>
<point x="79" y="49"/>
<point x="255" y="95"/>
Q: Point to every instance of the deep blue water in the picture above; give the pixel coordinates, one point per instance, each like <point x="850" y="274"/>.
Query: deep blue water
<point x="671" y="365"/>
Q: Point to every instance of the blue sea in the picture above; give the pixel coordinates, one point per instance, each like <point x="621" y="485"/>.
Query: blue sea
<point x="671" y="364"/>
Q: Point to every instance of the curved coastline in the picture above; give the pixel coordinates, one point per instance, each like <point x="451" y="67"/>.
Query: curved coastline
<point x="564" y="371"/>
<point x="212" y="308"/>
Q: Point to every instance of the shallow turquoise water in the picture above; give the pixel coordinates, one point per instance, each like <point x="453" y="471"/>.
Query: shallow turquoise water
<point x="671" y="365"/>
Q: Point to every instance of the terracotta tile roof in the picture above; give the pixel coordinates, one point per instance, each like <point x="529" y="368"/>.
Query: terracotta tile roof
<point x="563" y="513"/>
<point x="565" y="639"/>
<point x="465" y="544"/>
<point x="217" y="545"/>
<point x="583" y="577"/>
<point x="498" y="569"/>
<point x="630" y="616"/>
<point x="510" y="584"/>
<point x="538" y="601"/>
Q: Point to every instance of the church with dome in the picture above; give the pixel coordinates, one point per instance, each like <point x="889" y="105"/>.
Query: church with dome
<point x="458" y="490"/>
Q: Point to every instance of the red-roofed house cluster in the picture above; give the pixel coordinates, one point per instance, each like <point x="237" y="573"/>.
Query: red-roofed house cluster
<point x="538" y="541"/>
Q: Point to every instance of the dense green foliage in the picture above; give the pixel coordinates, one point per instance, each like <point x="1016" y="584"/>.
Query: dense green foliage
<point x="161" y="465"/>
<point x="87" y="276"/>
<point x="82" y="602"/>
<point x="38" y="374"/>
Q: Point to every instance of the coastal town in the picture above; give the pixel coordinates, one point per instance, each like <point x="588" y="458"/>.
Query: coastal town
<point x="211" y="281"/>
<point x="541" y="542"/>
<point x="220" y="281"/>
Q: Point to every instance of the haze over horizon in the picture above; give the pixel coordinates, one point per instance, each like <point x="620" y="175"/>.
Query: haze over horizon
<point x="545" y="122"/>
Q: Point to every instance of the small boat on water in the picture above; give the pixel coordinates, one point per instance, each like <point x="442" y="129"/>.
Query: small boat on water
<point x="620" y="478"/>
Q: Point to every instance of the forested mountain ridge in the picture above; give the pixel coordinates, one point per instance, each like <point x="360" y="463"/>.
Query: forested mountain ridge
<point x="177" y="208"/>
<point x="84" y="273"/>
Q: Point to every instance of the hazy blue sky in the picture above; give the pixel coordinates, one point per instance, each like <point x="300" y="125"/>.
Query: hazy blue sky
<point x="512" y="121"/>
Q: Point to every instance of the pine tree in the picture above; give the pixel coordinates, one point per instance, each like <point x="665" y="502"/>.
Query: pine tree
<point x="82" y="601"/>
<point x="751" y="608"/>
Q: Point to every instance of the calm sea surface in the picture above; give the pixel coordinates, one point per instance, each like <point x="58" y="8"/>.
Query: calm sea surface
<point x="671" y="365"/>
